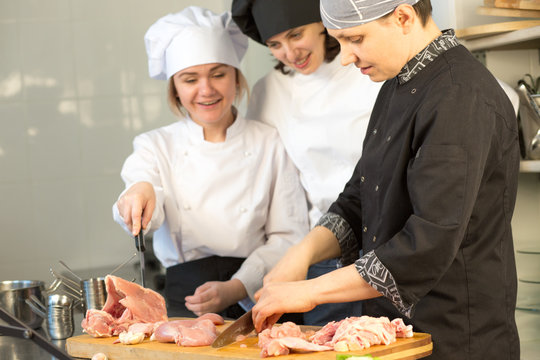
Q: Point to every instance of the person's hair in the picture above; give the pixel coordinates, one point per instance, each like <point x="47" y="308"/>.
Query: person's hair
<point x="176" y="106"/>
<point x="423" y="9"/>
<point x="331" y="50"/>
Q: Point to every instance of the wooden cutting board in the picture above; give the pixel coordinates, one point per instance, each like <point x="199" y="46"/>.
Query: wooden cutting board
<point x="85" y="346"/>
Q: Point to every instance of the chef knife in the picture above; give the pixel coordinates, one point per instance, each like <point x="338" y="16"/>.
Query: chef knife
<point x="139" y="245"/>
<point x="242" y="326"/>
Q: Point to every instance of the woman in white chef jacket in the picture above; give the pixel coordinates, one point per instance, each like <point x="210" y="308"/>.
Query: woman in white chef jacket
<point x="320" y="108"/>
<point x="218" y="192"/>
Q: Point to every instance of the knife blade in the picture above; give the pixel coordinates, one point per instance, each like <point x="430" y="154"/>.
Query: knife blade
<point x="139" y="245"/>
<point x="242" y="326"/>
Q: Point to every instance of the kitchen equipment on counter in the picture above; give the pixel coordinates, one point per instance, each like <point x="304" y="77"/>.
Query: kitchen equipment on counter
<point x="17" y="328"/>
<point x="139" y="245"/>
<point x="69" y="269"/>
<point x="242" y="326"/>
<point x="13" y="295"/>
<point x="58" y="312"/>
<point x="60" y="316"/>
<point x="94" y="293"/>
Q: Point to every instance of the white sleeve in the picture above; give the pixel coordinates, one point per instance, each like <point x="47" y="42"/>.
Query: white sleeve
<point x="142" y="165"/>
<point x="286" y="224"/>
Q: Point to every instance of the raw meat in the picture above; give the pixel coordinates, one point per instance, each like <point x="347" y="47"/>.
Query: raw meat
<point x="129" y="338"/>
<point x="98" y="323"/>
<point x="354" y="333"/>
<point x="358" y="333"/>
<point x="193" y="332"/>
<point x="203" y="333"/>
<point x="127" y="303"/>
<point x="282" y="346"/>
<point x="279" y="340"/>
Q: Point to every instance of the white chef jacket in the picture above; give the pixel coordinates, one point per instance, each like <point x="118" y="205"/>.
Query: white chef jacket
<point x="322" y="119"/>
<point x="240" y="198"/>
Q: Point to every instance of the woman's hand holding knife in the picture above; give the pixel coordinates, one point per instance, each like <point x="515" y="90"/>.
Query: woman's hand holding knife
<point x="136" y="206"/>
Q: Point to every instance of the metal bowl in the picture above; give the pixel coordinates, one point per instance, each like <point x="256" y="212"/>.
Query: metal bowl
<point x="13" y="294"/>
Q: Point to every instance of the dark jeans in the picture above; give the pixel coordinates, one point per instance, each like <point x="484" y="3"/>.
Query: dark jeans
<point x="325" y="313"/>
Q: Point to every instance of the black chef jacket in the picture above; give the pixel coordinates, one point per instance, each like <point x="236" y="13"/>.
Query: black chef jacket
<point x="430" y="204"/>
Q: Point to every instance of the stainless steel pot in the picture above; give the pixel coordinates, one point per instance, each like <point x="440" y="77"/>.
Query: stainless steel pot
<point x="13" y="295"/>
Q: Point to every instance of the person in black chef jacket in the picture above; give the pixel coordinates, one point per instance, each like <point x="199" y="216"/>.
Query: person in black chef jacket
<point x="431" y="199"/>
<point x="320" y="109"/>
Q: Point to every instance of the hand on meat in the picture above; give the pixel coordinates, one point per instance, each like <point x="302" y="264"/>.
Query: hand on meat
<point x="341" y="285"/>
<point x="214" y="296"/>
<point x="277" y="298"/>
<point x="136" y="206"/>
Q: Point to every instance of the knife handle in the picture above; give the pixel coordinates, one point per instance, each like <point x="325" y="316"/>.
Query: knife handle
<point x="139" y="241"/>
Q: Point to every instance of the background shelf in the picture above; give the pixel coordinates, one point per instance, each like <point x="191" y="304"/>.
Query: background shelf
<point x="529" y="166"/>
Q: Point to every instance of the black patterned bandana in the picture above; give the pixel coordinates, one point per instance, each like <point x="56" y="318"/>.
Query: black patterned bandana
<point x="438" y="46"/>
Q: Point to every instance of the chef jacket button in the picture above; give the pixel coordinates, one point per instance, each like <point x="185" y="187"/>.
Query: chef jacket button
<point x="377" y="188"/>
<point x="389" y="138"/>
<point x="247" y="153"/>
<point x="187" y="207"/>
<point x="362" y="179"/>
<point x="413" y="91"/>
<point x="186" y="153"/>
<point x="365" y="228"/>
<point x="374" y="131"/>
<point x="243" y="210"/>
<point x="374" y="238"/>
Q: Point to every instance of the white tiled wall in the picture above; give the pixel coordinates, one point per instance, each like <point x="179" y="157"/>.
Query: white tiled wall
<point x="74" y="91"/>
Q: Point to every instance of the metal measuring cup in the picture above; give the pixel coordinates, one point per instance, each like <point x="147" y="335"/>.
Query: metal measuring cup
<point x="94" y="293"/>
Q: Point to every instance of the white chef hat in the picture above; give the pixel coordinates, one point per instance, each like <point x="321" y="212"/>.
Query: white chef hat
<point x="193" y="36"/>
<point x="341" y="14"/>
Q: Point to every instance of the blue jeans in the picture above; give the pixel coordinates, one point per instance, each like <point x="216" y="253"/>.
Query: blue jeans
<point x="325" y="313"/>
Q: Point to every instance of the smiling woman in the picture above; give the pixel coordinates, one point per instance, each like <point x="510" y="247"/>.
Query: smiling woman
<point x="217" y="191"/>
<point x="207" y="93"/>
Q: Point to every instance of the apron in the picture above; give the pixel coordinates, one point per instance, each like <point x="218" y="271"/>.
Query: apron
<point x="181" y="280"/>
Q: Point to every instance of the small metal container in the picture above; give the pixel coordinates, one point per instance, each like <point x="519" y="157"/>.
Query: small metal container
<point x="13" y="296"/>
<point x="94" y="293"/>
<point x="60" y="316"/>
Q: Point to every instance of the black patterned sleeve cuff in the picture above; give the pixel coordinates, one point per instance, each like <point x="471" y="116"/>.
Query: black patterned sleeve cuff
<point x="343" y="232"/>
<point x="377" y="275"/>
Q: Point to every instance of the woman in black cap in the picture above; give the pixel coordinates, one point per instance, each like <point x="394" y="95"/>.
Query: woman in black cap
<point x="320" y="108"/>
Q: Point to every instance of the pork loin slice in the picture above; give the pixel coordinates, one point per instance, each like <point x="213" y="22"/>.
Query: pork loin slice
<point x="127" y="303"/>
<point x="189" y="332"/>
<point x="145" y="305"/>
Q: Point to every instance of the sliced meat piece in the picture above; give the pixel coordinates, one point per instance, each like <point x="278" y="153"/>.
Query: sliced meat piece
<point x="402" y="330"/>
<point x="192" y="332"/>
<point x="127" y="303"/>
<point x="326" y="333"/>
<point x="203" y="333"/>
<point x="283" y="346"/>
<point x="145" y="328"/>
<point x="98" y="323"/>
<point x="145" y="305"/>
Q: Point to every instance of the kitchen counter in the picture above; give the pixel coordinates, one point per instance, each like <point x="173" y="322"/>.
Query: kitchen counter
<point x="12" y="348"/>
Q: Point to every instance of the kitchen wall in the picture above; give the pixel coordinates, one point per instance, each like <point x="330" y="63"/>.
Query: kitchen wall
<point x="74" y="91"/>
